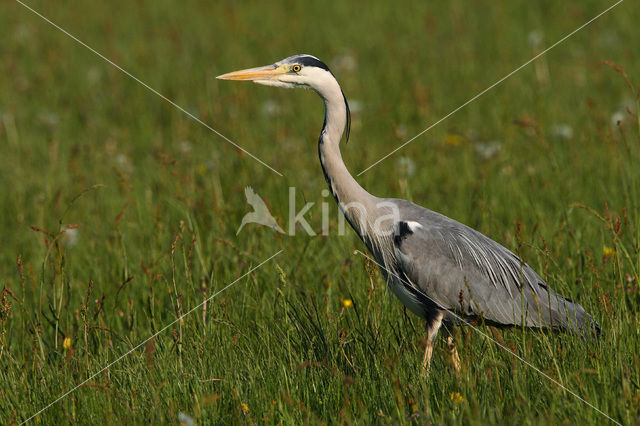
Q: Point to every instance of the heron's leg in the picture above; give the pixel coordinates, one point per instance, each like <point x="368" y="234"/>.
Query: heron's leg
<point x="432" y="325"/>
<point x="451" y="349"/>
<point x="426" y="360"/>
<point x="453" y="353"/>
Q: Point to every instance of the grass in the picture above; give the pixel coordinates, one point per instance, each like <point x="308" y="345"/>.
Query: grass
<point x="149" y="202"/>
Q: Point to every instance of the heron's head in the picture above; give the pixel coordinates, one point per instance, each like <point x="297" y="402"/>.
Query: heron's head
<point x="304" y="71"/>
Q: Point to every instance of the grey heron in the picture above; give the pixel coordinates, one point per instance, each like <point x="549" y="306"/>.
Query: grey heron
<point x="440" y="269"/>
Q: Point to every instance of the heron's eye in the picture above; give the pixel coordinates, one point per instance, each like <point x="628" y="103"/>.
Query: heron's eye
<point x="296" y="68"/>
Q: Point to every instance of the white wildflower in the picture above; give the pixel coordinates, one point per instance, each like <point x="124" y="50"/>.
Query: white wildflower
<point x="562" y="131"/>
<point x="486" y="150"/>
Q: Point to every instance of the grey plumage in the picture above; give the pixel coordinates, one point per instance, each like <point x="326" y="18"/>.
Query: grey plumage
<point x="463" y="271"/>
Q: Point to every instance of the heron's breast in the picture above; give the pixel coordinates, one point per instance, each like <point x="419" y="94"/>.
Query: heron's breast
<point x="406" y="297"/>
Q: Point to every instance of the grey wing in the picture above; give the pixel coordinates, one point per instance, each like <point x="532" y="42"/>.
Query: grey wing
<point x="464" y="271"/>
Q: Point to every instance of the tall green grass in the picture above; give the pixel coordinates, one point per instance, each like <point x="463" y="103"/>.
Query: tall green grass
<point x="118" y="213"/>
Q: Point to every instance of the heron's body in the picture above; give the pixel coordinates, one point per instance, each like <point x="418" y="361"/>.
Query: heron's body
<point x="439" y="268"/>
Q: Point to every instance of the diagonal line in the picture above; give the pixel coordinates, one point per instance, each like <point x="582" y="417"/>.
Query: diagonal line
<point x="151" y="89"/>
<point x="148" y="338"/>
<point x="492" y="86"/>
<point x="494" y="341"/>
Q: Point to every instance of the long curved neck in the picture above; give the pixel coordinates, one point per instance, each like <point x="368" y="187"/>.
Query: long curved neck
<point x="352" y="199"/>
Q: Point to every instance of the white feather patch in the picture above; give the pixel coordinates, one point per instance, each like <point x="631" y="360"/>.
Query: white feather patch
<point x="413" y="225"/>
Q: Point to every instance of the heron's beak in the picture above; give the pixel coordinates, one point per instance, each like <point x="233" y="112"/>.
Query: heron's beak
<point x="260" y="73"/>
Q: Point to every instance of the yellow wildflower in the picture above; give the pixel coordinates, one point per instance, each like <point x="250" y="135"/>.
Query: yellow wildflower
<point x="201" y="169"/>
<point x="456" y="397"/>
<point x="452" y="139"/>
<point x="347" y="303"/>
<point x="66" y="343"/>
<point x="245" y="408"/>
<point x="608" y="251"/>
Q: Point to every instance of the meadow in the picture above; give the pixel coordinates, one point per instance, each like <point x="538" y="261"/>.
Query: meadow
<point x="119" y="212"/>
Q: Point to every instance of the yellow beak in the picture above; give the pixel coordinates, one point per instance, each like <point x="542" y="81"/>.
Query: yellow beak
<point x="259" y="73"/>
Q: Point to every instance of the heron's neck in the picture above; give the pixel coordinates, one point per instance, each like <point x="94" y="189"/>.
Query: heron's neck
<point x="352" y="199"/>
